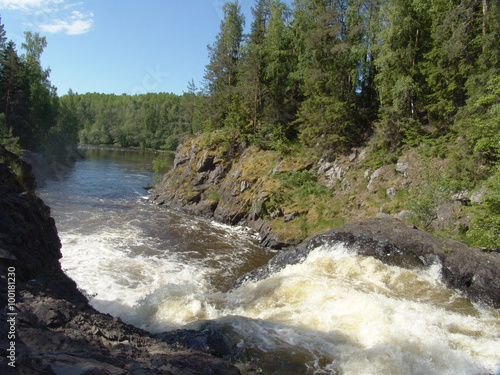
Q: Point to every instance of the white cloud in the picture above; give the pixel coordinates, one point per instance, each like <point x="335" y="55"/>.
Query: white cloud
<point x="77" y="23"/>
<point x="27" y="5"/>
<point x="53" y="16"/>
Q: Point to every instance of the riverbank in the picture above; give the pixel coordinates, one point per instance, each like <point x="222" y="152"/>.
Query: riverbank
<point x="289" y="199"/>
<point x="47" y="325"/>
<point x="257" y="322"/>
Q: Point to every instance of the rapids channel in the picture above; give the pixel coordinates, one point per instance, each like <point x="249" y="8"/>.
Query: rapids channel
<point x="335" y="313"/>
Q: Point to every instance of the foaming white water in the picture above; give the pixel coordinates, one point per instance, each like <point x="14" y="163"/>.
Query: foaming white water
<point x="117" y="278"/>
<point x="336" y="313"/>
<point x="353" y="315"/>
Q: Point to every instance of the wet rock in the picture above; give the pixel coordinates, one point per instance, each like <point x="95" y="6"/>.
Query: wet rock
<point x="57" y="331"/>
<point x="208" y="337"/>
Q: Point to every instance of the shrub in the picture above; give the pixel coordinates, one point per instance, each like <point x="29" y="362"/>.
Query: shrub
<point x="485" y="228"/>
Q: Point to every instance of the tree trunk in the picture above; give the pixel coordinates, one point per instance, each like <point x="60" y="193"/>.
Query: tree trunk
<point x="485" y="12"/>
<point x="416" y="46"/>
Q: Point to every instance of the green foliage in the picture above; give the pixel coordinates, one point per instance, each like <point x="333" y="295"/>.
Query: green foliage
<point x="222" y="71"/>
<point x="152" y="121"/>
<point x="7" y="140"/>
<point x="452" y="57"/>
<point x="425" y="198"/>
<point x="485" y="228"/>
<point x="32" y="117"/>
<point x="213" y="196"/>
<point x="161" y="164"/>
<point x="302" y="184"/>
<point x="479" y="122"/>
<point x="270" y="137"/>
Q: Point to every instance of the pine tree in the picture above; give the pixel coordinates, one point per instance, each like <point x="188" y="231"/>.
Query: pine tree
<point x="15" y="95"/>
<point x="221" y="72"/>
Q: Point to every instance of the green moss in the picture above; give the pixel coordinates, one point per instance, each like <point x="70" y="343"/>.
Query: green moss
<point x="213" y="196"/>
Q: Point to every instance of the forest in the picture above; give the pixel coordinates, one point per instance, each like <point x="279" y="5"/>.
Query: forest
<point x="328" y="75"/>
<point x="32" y="116"/>
<point x="320" y="75"/>
<point x="331" y="74"/>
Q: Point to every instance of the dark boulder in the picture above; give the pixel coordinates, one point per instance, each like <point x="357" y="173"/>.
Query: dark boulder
<point x="56" y="330"/>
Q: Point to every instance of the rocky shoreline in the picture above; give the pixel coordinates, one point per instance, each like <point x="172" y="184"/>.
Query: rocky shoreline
<point x="234" y="190"/>
<point x="56" y="330"/>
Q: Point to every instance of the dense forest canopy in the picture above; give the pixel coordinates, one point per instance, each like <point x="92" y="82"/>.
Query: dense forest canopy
<point x="31" y="114"/>
<point x="328" y="74"/>
<point x="333" y="73"/>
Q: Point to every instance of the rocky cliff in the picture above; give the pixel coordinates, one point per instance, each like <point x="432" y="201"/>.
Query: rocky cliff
<point x="230" y="188"/>
<point x="289" y="198"/>
<point x="46" y="324"/>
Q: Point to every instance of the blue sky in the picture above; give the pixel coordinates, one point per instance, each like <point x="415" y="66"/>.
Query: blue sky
<point x="120" y="46"/>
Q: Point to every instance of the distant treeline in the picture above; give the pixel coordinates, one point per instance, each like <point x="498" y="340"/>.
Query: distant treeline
<point x="154" y="121"/>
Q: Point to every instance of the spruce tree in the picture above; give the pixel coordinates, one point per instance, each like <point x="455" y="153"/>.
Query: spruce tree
<point x="328" y="116"/>
<point x="221" y="72"/>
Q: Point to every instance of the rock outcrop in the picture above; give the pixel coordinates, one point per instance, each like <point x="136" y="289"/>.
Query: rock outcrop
<point x="56" y="330"/>
<point x="472" y="271"/>
<point x="248" y="186"/>
<point x="232" y="189"/>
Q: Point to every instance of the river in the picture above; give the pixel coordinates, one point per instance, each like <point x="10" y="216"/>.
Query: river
<point x="335" y="313"/>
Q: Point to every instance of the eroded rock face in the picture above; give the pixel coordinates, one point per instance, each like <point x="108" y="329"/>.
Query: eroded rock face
<point x="57" y="331"/>
<point x="202" y="182"/>
<point x="28" y="236"/>
<point x="470" y="270"/>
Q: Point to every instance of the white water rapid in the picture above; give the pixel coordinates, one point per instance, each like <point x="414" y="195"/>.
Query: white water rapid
<point x="335" y="313"/>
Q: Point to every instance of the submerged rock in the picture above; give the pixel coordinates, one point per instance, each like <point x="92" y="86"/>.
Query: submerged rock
<point x="474" y="272"/>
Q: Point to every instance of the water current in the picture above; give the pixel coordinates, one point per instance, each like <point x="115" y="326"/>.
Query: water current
<point x="335" y="313"/>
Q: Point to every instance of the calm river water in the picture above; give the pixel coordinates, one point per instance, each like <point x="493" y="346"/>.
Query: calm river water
<point x="336" y="313"/>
